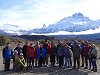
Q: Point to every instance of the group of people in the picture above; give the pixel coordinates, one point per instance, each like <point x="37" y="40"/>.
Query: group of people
<point x="60" y="54"/>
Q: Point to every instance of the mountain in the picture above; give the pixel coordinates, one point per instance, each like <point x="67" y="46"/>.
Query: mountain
<point x="75" y="23"/>
<point x="72" y="25"/>
<point x="12" y="29"/>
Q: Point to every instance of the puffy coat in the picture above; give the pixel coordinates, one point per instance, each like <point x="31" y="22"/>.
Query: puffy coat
<point x="76" y="51"/>
<point x="86" y="50"/>
<point x="61" y="51"/>
<point x="19" y="49"/>
<point x="43" y="53"/>
<point x="30" y="52"/>
<point x="7" y="52"/>
<point x="67" y="52"/>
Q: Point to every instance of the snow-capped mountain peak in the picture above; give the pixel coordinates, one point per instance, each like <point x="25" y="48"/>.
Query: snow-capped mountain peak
<point x="12" y="29"/>
<point x="78" y="15"/>
<point x="75" y="23"/>
<point x="72" y="24"/>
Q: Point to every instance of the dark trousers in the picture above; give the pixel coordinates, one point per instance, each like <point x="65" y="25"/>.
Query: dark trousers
<point x="30" y="61"/>
<point x="90" y="63"/>
<point x="41" y="61"/>
<point x="86" y="61"/>
<point x="52" y="59"/>
<point x="61" y="61"/>
<point x="82" y="57"/>
<point x="76" y="59"/>
<point x="94" y="65"/>
<point x="7" y="64"/>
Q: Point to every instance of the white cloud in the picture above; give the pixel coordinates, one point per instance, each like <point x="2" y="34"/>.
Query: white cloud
<point x="97" y="30"/>
<point x="34" y="13"/>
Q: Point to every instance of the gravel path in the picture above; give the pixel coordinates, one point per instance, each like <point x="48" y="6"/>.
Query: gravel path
<point x="50" y="71"/>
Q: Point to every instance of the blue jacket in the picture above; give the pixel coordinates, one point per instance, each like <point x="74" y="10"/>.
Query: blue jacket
<point x="43" y="53"/>
<point x="66" y="52"/>
<point x="7" y="52"/>
<point x="61" y="51"/>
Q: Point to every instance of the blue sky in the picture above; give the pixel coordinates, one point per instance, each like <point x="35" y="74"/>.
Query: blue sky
<point x="35" y="13"/>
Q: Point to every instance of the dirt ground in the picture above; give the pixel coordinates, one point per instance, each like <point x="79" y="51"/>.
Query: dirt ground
<point x="51" y="70"/>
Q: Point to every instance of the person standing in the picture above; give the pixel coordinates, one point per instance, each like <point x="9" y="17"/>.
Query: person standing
<point x="94" y="53"/>
<point x="57" y="47"/>
<point x="82" y="56"/>
<point x="76" y="55"/>
<point x="52" y="54"/>
<point x="61" y="55"/>
<point x="35" y="52"/>
<point x="19" y="49"/>
<point x="7" y="55"/>
<point x="45" y="45"/>
<point x="24" y="50"/>
<point x="85" y="53"/>
<point x="41" y="52"/>
<point x="30" y="55"/>
<point x="67" y="55"/>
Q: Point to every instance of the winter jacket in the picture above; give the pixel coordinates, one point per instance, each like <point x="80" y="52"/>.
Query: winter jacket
<point x="49" y="48"/>
<point x="53" y="51"/>
<point x="7" y="52"/>
<point x="86" y="50"/>
<point x="94" y="53"/>
<point x="19" y="61"/>
<point x="81" y="46"/>
<point x="30" y="52"/>
<point x="76" y="51"/>
<point x="19" y="49"/>
<point x="43" y="53"/>
<point x="24" y="50"/>
<point x="67" y="52"/>
<point x="61" y="51"/>
<point x="46" y="48"/>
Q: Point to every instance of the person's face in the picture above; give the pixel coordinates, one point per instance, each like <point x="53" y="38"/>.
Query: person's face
<point x="8" y="45"/>
<point x="21" y="56"/>
<point x="41" y="46"/>
<point x="66" y="45"/>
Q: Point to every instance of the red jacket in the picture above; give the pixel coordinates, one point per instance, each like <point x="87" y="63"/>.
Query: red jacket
<point x="30" y="52"/>
<point x="86" y="50"/>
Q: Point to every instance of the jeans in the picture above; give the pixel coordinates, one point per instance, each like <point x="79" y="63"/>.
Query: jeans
<point x="94" y="65"/>
<point x="67" y="62"/>
<point x="40" y="62"/>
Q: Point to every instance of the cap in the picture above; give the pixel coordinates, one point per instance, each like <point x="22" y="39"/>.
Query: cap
<point x="15" y="52"/>
<point x="21" y="54"/>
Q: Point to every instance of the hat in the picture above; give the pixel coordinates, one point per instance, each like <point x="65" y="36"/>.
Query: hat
<point x="15" y="52"/>
<point x="21" y="54"/>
